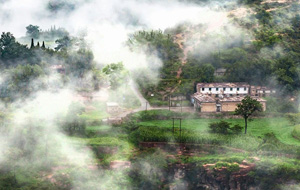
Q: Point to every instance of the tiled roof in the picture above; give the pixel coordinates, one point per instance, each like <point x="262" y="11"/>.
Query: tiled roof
<point x="223" y="85"/>
<point x="239" y="99"/>
<point x="203" y="98"/>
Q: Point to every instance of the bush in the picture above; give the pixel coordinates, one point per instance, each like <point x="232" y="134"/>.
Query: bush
<point x="76" y="126"/>
<point x="231" y="167"/>
<point x="220" y="127"/>
<point x="223" y="127"/>
<point x="293" y="118"/>
<point x="296" y="132"/>
<point x="236" y="129"/>
<point x="72" y="123"/>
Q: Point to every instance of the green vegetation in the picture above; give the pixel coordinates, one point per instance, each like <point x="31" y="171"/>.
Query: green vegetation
<point x="223" y="127"/>
<point x="257" y="128"/>
<point x="296" y="132"/>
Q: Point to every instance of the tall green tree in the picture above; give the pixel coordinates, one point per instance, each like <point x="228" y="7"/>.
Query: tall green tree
<point x="63" y="44"/>
<point x="247" y="107"/>
<point x="33" y="31"/>
<point x="116" y="73"/>
<point x="287" y="73"/>
<point x="12" y="52"/>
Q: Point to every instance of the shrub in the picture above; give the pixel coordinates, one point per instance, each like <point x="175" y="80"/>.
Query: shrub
<point x="293" y="118"/>
<point x="296" y="132"/>
<point x="231" y="167"/>
<point x="220" y="127"/>
<point x="236" y="129"/>
<point x="223" y="127"/>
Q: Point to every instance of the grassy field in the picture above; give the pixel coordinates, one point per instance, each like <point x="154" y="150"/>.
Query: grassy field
<point x="258" y="127"/>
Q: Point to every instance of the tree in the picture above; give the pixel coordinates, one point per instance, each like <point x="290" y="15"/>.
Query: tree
<point x="80" y="62"/>
<point x="63" y="43"/>
<point x="32" y="43"/>
<point x="13" y="51"/>
<point x="247" y="107"/>
<point x="33" y="31"/>
<point x="116" y="73"/>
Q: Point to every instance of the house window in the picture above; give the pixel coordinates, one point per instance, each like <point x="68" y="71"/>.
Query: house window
<point x="202" y="89"/>
<point x="209" y="89"/>
<point x="217" y="95"/>
<point x="224" y="89"/>
<point x="231" y="95"/>
<point x="238" y="89"/>
<point x="230" y="89"/>
<point x="217" y="89"/>
<point x="245" y="89"/>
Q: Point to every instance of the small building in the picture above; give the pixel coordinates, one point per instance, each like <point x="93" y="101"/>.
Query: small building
<point x="112" y="107"/>
<point x="58" y="68"/>
<point x="204" y="103"/>
<point x="224" y="97"/>
<point x="208" y="104"/>
<point x="261" y="91"/>
<point x="220" y="72"/>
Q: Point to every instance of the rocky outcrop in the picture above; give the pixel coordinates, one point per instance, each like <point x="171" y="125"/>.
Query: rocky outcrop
<point x="191" y="176"/>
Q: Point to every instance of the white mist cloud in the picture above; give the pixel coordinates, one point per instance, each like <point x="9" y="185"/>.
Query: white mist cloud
<point x="108" y="22"/>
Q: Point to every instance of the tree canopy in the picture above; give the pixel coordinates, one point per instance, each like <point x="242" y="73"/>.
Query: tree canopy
<point x="247" y="107"/>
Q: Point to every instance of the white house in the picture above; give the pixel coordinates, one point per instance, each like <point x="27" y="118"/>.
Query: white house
<point x="223" y="89"/>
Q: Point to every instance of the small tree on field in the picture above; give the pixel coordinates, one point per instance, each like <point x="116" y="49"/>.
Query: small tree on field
<point x="247" y="107"/>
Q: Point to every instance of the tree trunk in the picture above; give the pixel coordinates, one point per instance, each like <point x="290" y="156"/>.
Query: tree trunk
<point x="246" y="125"/>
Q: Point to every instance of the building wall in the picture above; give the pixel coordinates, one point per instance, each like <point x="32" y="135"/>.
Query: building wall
<point x="228" y="106"/>
<point x="264" y="105"/>
<point x="112" y="109"/>
<point x="231" y="106"/>
<point x="208" y="107"/>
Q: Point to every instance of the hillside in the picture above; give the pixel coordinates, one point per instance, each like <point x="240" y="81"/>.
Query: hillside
<point x="255" y="42"/>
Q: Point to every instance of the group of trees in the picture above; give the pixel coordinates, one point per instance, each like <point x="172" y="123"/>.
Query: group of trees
<point x="34" y="31"/>
<point x="156" y="43"/>
<point x="22" y="65"/>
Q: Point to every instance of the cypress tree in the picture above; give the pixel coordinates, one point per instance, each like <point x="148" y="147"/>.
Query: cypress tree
<point x="32" y="43"/>
<point x="43" y="45"/>
<point x="38" y="44"/>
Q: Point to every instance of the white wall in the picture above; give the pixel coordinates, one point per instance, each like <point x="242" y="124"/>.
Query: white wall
<point x="227" y="91"/>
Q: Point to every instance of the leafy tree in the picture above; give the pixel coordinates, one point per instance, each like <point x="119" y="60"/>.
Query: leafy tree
<point x="21" y="80"/>
<point x="33" y="31"/>
<point x="11" y="50"/>
<point x="73" y="124"/>
<point x="201" y="73"/>
<point x="63" y="44"/>
<point x="287" y="73"/>
<point x="157" y="43"/>
<point x="80" y="62"/>
<point x="247" y="107"/>
<point x="117" y="74"/>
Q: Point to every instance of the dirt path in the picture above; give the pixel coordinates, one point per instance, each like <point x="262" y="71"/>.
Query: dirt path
<point x="144" y="103"/>
<point x="180" y="39"/>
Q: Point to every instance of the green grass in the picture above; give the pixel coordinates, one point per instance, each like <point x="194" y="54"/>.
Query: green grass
<point x="256" y="128"/>
<point x="296" y="132"/>
<point x="94" y="117"/>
